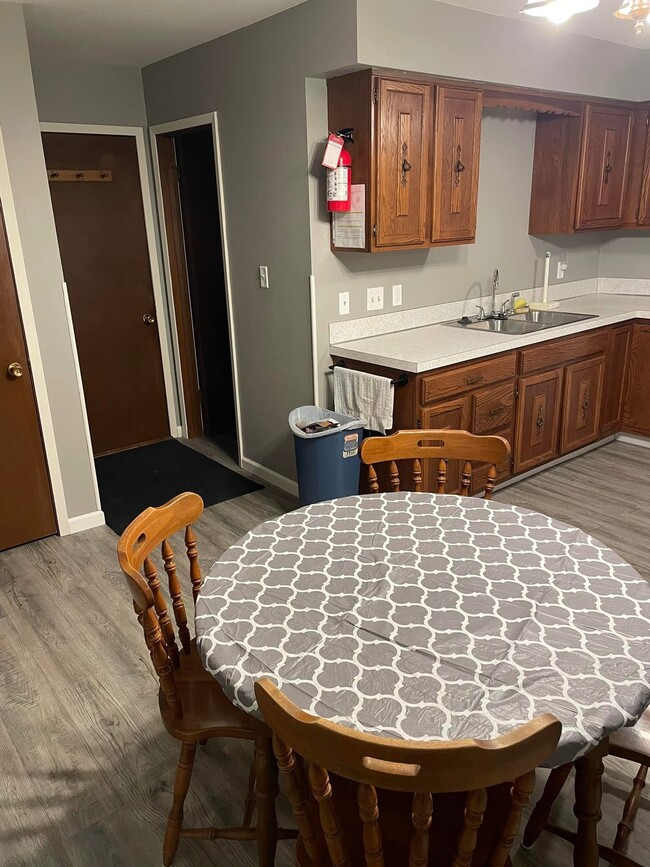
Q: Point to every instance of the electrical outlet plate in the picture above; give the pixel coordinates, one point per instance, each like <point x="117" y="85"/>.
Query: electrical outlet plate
<point x="376" y="298"/>
<point x="561" y="268"/>
<point x="397" y="295"/>
<point x="264" y="277"/>
<point x="344" y="303"/>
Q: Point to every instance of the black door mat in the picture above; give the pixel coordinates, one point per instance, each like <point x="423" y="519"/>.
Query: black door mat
<point x="131" y="481"/>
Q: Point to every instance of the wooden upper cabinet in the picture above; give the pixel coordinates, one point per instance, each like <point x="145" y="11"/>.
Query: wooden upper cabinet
<point x="639" y="195"/>
<point x="603" y="172"/>
<point x="403" y="157"/>
<point x="456" y="164"/>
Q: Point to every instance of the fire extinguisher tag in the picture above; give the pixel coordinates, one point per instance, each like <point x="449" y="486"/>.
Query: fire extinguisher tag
<point x="333" y="151"/>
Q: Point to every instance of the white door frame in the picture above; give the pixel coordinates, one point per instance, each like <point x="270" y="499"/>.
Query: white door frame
<point x="33" y="347"/>
<point x="173" y="126"/>
<point x="150" y="227"/>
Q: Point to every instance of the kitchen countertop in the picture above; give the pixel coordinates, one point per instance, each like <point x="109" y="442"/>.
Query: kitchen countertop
<point x="417" y="350"/>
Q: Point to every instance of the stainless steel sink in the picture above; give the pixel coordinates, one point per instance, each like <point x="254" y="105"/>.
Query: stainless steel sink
<point x="551" y="318"/>
<point x="534" y="320"/>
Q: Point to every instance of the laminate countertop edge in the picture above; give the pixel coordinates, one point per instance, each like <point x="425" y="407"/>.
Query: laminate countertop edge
<point x="418" y="350"/>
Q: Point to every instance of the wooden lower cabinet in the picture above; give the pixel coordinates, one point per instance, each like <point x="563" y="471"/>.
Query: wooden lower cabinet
<point x="636" y="417"/>
<point x="538" y="419"/>
<point x="583" y="393"/>
<point x="450" y="415"/>
<point x="618" y="356"/>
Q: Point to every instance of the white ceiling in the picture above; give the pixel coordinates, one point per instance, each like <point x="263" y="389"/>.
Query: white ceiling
<point x="136" y="32"/>
<point x="599" y="23"/>
<point x="139" y="32"/>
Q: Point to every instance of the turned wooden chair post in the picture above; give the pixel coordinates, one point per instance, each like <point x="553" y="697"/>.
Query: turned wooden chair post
<point x="193" y="707"/>
<point x="440" y="446"/>
<point x="421" y="769"/>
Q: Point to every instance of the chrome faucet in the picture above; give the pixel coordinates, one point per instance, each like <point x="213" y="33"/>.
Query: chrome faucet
<point x="495" y="289"/>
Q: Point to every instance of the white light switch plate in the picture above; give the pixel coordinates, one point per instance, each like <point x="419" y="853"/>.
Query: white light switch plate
<point x="376" y="298"/>
<point x="397" y="295"/>
<point x="344" y="303"/>
<point x="264" y="277"/>
<point x="561" y="268"/>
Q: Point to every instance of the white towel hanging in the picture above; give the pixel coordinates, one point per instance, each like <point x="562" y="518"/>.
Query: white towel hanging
<point x="366" y="396"/>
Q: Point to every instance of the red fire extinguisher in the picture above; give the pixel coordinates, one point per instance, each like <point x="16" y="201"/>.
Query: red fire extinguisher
<point x="339" y="179"/>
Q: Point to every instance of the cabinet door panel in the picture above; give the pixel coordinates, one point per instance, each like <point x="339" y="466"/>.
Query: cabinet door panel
<point x="504" y="470"/>
<point x="538" y="419"/>
<point x="618" y="354"/>
<point x="493" y="408"/>
<point x="643" y="217"/>
<point x="583" y="394"/>
<point x="453" y="415"/>
<point x="403" y="156"/>
<point x="456" y="164"/>
<point x="637" y="406"/>
<point x="603" y="168"/>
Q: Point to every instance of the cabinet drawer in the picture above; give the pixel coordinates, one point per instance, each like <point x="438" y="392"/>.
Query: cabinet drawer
<point x="470" y="376"/>
<point x="493" y="408"/>
<point x="556" y="353"/>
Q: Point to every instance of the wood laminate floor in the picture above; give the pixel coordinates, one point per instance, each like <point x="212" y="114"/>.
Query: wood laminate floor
<point x="86" y="768"/>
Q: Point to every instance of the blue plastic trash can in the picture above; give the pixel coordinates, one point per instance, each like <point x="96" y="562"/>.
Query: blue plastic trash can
<point x="328" y="462"/>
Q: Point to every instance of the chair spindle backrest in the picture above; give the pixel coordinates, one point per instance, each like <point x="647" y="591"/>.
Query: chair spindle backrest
<point x="152" y="529"/>
<point x="422" y="769"/>
<point x="441" y="446"/>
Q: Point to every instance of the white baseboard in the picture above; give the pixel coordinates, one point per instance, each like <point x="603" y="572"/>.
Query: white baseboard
<point x="86" y="522"/>
<point x="179" y="432"/>
<point x="633" y="440"/>
<point x="270" y="476"/>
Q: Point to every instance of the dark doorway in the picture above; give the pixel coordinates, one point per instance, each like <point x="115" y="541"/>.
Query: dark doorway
<point x="194" y="242"/>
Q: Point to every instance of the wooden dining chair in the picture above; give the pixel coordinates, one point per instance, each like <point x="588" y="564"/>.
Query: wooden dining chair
<point x="632" y="744"/>
<point x="438" y="445"/>
<point x="347" y="835"/>
<point x="192" y="705"/>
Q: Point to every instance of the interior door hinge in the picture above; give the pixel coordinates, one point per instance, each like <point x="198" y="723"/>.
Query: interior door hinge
<point x="375" y="95"/>
<point x="419" y="423"/>
<point x="177" y="173"/>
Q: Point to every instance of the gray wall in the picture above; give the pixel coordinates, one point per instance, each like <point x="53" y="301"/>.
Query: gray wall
<point x="69" y="91"/>
<point x="255" y="80"/>
<point x="21" y="134"/>
<point x="425" y="36"/>
<point x="627" y="256"/>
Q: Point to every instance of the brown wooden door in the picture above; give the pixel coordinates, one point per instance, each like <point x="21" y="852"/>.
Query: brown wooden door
<point x="103" y="243"/>
<point x="451" y="415"/>
<point x="456" y="164"/>
<point x="618" y="353"/>
<point x="26" y="507"/>
<point x="637" y="406"/>
<point x="643" y="216"/>
<point x="403" y="156"/>
<point x="538" y="419"/>
<point x="583" y="399"/>
<point x="603" y="168"/>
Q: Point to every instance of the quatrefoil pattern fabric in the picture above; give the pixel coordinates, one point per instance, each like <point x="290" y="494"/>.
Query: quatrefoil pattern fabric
<point x="431" y="617"/>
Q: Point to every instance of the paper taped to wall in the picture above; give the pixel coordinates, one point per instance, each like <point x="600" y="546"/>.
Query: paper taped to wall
<point x="349" y="227"/>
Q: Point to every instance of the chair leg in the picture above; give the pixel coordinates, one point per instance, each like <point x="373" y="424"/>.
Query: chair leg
<point x="631" y="806"/>
<point x="249" y="803"/>
<point x="266" y="790"/>
<point x="181" y="786"/>
<point x="539" y="817"/>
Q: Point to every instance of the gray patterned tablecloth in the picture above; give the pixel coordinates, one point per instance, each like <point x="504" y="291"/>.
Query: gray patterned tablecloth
<point x="422" y="616"/>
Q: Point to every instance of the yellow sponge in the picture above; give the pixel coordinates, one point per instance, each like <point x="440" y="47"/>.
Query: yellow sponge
<point x="520" y="303"/>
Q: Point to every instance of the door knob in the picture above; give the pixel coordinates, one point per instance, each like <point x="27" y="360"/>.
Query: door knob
<point x="15" y="370"/>
<point x="148" y="319"/>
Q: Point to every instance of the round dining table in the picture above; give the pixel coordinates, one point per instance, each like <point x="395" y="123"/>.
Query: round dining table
<point x="424" y="617"/>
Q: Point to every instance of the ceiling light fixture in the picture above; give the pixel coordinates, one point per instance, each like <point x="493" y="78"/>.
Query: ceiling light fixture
<point x="559" y="11"/>
<point x="637" y="11"/>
